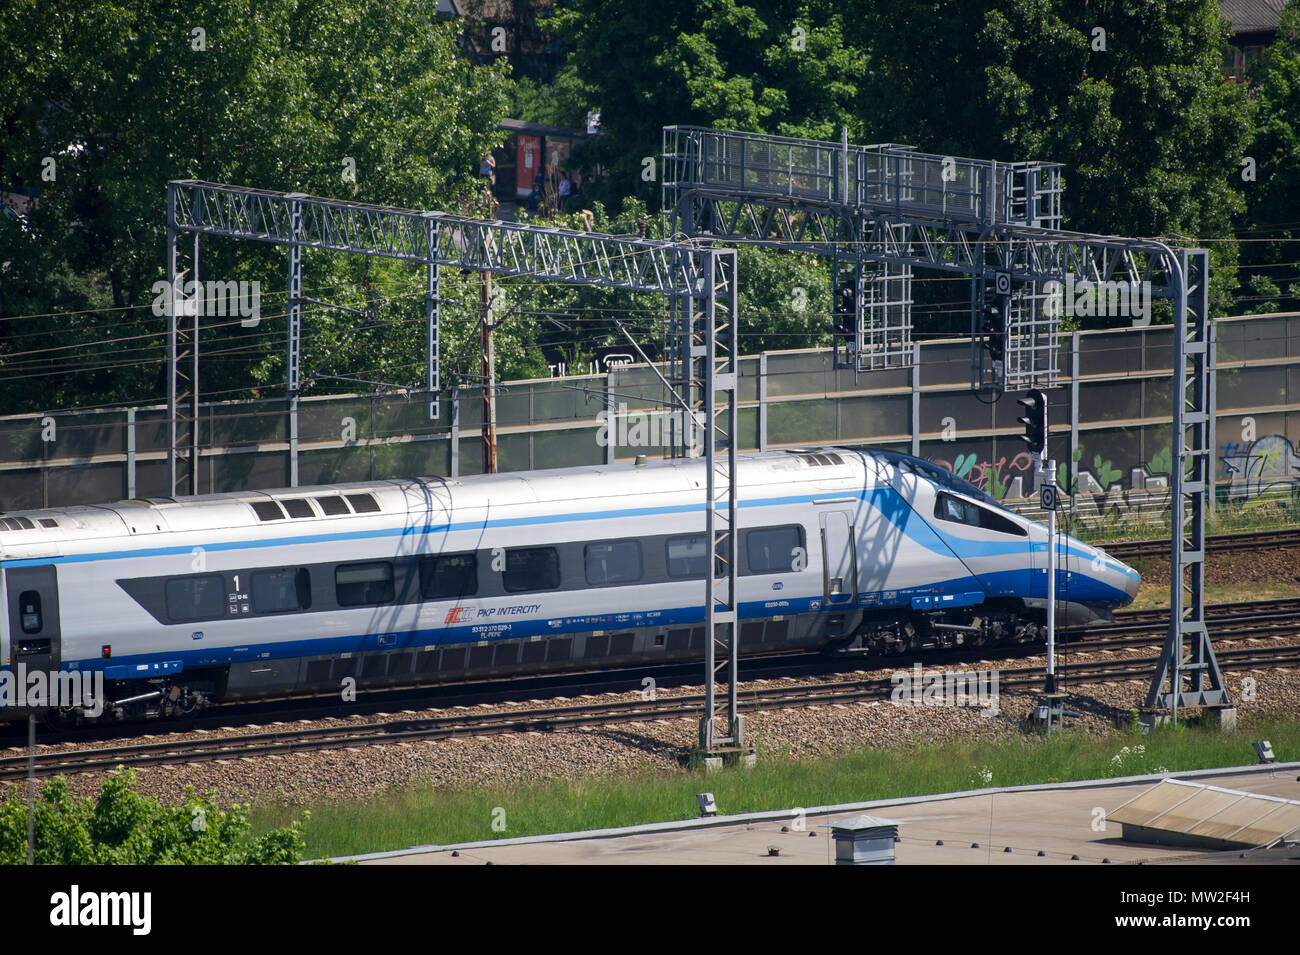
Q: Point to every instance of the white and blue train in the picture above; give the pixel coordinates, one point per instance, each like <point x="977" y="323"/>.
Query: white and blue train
<point x="254" y="594"/>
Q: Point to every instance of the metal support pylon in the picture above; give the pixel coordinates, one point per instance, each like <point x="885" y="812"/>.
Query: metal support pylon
<point x="183" y="316"/>
<point x="293" y="384"/>
<point x="714" y="368"/>
<point x="1188" y="673"/>
<point x="432" y="316"/>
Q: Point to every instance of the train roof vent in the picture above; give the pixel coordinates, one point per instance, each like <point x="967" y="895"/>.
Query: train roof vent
<point x="268" y="511"/>
<point x="363" y="503"/>
<point x="332" y="506"/>
<point x="298" y="507"/>
<point x="819" y="459"/>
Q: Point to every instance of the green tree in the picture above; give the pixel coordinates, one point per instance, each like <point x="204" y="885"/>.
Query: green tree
<point x="123" y="827"/>
<point x="1148" y="131"/>
<point x="288" y="94"/>
<point x="1273" y="199"/>
<point x="717" y="63"/>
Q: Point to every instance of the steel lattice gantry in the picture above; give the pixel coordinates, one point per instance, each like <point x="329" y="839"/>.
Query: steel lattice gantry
<point x="699" y="280"/>
<point x="851" y="202"/>
<point x="1000" y="225"/>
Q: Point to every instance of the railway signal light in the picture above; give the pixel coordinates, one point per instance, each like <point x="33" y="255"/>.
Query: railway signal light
<point x="1035" y="420"/>
<point x="846" y="307"/>
<point x="993" y="327"/>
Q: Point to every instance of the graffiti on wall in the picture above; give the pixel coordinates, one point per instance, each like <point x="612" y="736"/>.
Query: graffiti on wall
<point x="1015" y="476"/>
<point x="1265" y="465"/>
<point x="1247" y="469"/>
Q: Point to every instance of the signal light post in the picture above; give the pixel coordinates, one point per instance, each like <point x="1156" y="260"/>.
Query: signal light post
<point x="993" y="326"/>
<point x="1035" y="437"/>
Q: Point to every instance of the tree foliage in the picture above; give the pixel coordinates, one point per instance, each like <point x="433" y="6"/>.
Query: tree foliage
<point x="1149" y="133"/>
<point x="123" y="827"/>
<point x="1273" y="199"/>
<point x="286" y="94"/>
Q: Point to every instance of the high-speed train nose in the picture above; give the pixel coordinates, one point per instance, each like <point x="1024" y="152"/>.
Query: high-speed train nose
<point x="1130" y="580"/>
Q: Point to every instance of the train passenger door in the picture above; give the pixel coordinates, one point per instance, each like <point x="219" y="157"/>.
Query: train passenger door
<point x="33" y="598"/>
<point x="839" y="559"/>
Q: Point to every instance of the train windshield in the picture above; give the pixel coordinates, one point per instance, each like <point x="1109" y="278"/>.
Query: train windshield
<point x="932" y="472"/>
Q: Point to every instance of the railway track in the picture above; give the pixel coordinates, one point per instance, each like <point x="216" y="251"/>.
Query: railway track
<point x="465" y="722"/>
<point x="1218" y="544"/>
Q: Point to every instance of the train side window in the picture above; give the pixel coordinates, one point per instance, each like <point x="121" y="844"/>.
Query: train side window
<point x="358" y="584"/>
<point x="996" y="522"/>
<point x="196" y="598"/>
<point x="278" y="591"/>
<point x="772" y="550"/>
<point x="533" y="568"/>
<point x="954" y="509"/>
<point x="448" y="576"/>
<point x="613" y="562"/>
<point x="686" y="556"/>
<point x="29" y="606"/>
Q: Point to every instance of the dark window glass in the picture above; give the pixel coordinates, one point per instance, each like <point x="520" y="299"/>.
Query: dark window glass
<point x="772" y="549"/>
<point x="686" y="556"/>
<point x="535" y="568"/>
<point x="989" y="520"/>
<point x="358" y="584"/>
<point x="275" y="591"/>
<point x="954" y="509"/>
<point x="49" y="522"/>
<point x="196" y="598"/>
<point x="268" y="511"/>
<point x="613" y="562"/>
<point x="448" y="576"/>
<point x="363" y="503"/>
<point x="298" y="507"/>
<point x="333" y="506"/>
<point x="25" y="523"/>
<point x="29" y="608"/>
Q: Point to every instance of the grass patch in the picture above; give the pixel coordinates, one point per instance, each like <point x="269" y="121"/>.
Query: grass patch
<point x="423" y="815"/>
<point x="1155" y="596"/>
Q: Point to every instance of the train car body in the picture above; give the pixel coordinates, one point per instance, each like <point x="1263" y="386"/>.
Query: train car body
<point x="230" y="596"/>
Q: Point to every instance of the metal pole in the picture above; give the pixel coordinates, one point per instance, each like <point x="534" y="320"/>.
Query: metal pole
<point x="489" y="373"/>
<point x="31" y="789"/>
<point x="432" y="302"/>
<point x="294" y="383"/>
<point x="199" y="304"/>
<point x="130" y="453"/>
<point x="455" y="432"/>
<point x="1050" y="480"/>
<point x="172" y="318"/>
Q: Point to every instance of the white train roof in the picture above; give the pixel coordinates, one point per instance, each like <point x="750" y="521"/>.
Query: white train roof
<point x="24" y="532"/>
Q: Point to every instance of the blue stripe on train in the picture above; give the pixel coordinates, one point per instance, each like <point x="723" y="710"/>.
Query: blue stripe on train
<point x="967" y="591"/>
